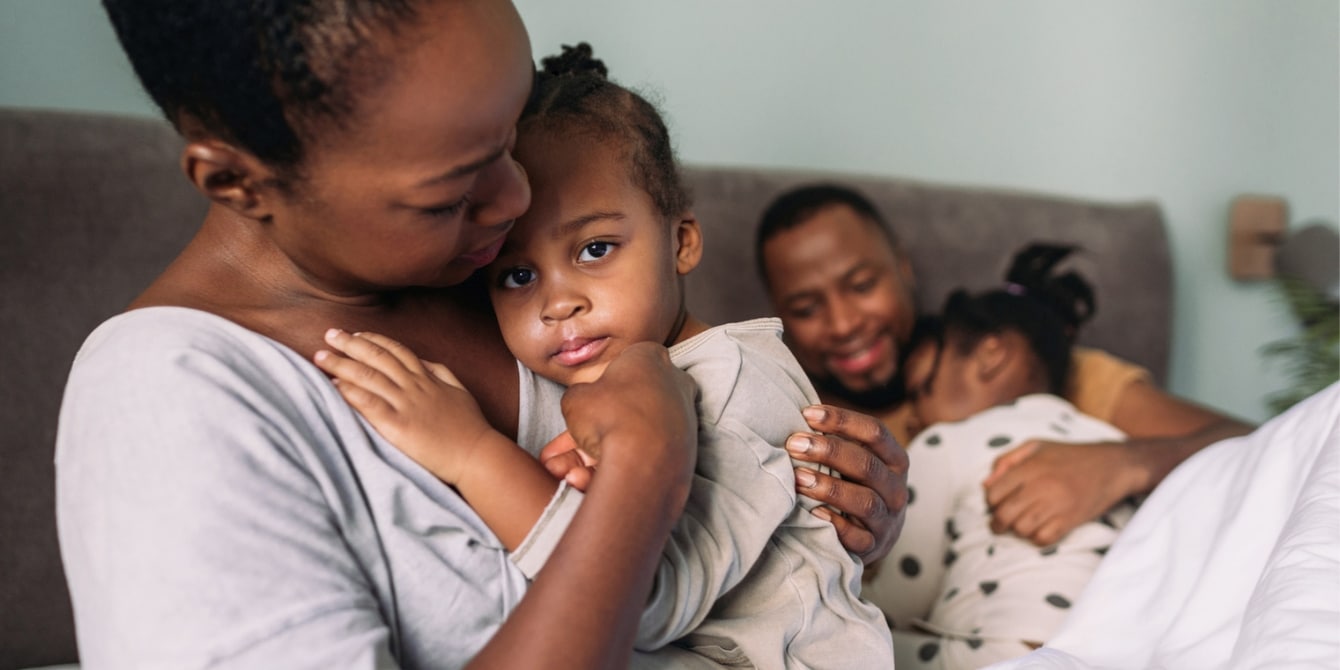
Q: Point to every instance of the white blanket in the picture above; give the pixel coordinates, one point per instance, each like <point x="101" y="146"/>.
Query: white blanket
<point x="1232" y="562"/>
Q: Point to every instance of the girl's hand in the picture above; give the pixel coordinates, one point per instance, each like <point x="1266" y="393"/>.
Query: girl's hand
<point x="638" y="420"/>
<point x="872" y="493"/>
<point x="564" y="460"/>
<point x="417" y="405"/>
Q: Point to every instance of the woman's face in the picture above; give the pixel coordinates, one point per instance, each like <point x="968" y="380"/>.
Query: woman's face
<point x="418" y="188"/>
<point x="844" y="297"/>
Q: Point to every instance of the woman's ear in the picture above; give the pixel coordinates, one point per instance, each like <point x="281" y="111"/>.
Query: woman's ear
<point x="229" y="176"/>
<point x="688" y="243"/>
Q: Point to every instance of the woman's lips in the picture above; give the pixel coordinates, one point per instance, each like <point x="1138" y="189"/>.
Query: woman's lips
<point x="579" y="350"/>
<point x="484" y="256"/>
<point x="861" y="360"/>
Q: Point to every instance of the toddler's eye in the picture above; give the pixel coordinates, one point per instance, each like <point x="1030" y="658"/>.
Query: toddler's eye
<point x="516" y="277"/>
<point x="594" y="250"/>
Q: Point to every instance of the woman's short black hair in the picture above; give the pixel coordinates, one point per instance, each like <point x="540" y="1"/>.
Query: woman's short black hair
<point x="797" y="205"/>
<point x="1047" y="309"/>
<point x="258" y="73"/>
<point x="573" y="94"/>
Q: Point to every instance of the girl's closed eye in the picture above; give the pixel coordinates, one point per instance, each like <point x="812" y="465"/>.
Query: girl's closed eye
<point x="515" y="277"/>
<point x="594" y="251"/>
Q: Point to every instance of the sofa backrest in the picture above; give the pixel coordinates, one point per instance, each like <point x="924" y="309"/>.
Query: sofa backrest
<point x="93" y="207"/>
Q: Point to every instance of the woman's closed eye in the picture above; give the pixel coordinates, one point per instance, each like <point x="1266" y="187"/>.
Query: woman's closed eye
<point x="515" y="277"/>
<point x="594" y="251"/>
<point x="449" y="210"/>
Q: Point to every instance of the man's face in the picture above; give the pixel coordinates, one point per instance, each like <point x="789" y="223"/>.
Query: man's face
<point x="844" y="295"/>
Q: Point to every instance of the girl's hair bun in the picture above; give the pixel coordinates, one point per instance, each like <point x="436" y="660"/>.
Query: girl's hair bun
<point x="1032" y="274"/>
<point x="575" y="61"/>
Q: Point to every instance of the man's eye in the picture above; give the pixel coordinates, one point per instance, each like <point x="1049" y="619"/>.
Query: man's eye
<point x="594" y="251"/>
<point x="516" y="277"/>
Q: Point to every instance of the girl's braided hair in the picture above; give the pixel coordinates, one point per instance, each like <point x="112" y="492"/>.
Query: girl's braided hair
<point x="573" y="95"/>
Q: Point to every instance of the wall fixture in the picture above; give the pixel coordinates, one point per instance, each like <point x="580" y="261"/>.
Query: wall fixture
<point x="1260" y="246"/>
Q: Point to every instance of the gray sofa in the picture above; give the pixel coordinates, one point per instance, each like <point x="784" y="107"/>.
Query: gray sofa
<point x="92" y="207"/>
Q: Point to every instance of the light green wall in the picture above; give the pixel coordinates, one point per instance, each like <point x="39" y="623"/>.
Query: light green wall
<point x="1189" y="103"/>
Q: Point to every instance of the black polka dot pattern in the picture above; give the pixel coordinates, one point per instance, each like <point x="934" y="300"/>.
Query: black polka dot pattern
<point x="950" y="530"/>
<point x="1058" y="429"/>
<point x="1101" y="551"/>
<point x="928" y="651"/>
<point x="991" y="550"/>
<point x="910" y="566"/>
<point x="1048" y="551"/>
<point x="974" y="642"/>
<point x="950" y="595"/>
<point x="1058" y="601"/>
<point x="911" y="495"/>
<point x="950" y="557"/>
<point x="999" y="441"/>
<point x="988" y="587"/>
<point x="933" y="440"/>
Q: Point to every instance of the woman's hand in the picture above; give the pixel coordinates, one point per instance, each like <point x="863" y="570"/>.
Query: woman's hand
<point x="1042" y="490"/>
<point x="872" y="493"/>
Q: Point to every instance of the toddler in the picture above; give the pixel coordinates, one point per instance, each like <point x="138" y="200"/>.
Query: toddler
<point x="750" y="576"/>
<point x="982" y="377"/>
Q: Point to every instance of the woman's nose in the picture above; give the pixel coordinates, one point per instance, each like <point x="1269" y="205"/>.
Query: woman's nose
<point x="504" y="192"/>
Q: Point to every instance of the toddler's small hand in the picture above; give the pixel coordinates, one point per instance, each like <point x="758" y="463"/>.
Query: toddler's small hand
<point x="416" y="405"/>
<point x="565" y="461"/>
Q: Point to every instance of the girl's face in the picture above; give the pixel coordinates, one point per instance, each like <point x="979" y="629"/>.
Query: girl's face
<point x="944" y="384"/>
<point x="844" y="296"/>
<point x="592" y="266"/>
<point x="418" y="188"/>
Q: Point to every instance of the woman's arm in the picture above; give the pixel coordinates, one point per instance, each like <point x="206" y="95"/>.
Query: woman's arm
<point x="871" y="495"/>
<point x="1043" y="490"/>
<point x="582" y="609"/>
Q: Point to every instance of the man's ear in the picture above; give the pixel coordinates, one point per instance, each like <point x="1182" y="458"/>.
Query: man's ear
<point x="229" y="176"/>
<point x="689" y="243"/>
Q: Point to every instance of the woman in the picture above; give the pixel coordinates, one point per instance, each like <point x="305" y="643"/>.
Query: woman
<point x="218" y="503"/>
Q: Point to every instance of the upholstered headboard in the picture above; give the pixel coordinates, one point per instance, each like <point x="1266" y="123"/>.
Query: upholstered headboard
<point x="92" y="207"/>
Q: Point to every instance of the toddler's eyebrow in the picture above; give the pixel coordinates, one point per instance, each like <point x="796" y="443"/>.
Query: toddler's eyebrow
<point x="574" y="225"/>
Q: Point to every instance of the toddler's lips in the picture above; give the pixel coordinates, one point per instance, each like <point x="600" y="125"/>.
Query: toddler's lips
<point x="579" y="350"/>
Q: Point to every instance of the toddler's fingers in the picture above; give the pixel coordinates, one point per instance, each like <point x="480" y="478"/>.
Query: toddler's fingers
<point x="561" y="444"/>
<point x="355" y="373"/>
<point x="402" y="353"/>
<point x="371" y="354"/>
<point x="369" y="404"/>
<point x="443" y="373"/>
<point x="579" y="478"/>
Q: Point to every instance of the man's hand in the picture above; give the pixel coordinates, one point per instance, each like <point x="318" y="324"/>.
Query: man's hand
<point x="1042" y="490"/>
<point x="872" y="493"/>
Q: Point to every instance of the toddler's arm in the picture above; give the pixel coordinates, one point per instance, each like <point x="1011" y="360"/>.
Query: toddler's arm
<point x="425" y="411"/>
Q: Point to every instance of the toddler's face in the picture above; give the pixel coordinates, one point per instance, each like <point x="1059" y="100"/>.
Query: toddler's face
<point x="591" y="267"/>
<point x="942" y="385"/>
